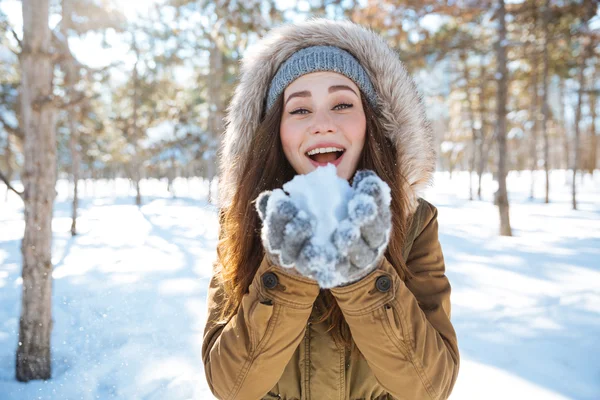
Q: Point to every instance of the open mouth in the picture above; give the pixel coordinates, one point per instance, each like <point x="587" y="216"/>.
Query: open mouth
<point x="322" y="157"/>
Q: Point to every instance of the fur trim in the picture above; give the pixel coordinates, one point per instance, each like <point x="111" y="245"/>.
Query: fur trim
<point x="400" y="105"/>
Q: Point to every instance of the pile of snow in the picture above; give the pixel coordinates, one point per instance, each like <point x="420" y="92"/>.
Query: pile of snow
<point x="323" y="195"/>
<point x="129" y="292"/>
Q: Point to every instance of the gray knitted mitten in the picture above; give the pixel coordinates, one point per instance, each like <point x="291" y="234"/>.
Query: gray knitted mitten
<point x="362" y="238"/>
<point x="287" y="235"/>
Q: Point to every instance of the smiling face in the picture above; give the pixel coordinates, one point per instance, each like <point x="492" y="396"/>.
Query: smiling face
<point x="323" y="122"/>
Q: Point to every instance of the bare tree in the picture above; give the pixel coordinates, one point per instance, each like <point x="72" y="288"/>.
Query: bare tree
<point x="565" y="129"/>
<point x="593" y="148"/>
<point x="484" y="147"/>
<point x="39" y="179"/>
<point x="581" y="78"/>
<point x="471" y="116"/>
<point x="71" y="78"/>
<point x="136" y="168"/>
<point x="545" y="107"/>
<point x="502" y="79"/>
<point x="534" y="109"/>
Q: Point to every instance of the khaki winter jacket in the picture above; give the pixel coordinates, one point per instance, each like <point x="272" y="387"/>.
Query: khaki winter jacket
<point x="406" y="347"/>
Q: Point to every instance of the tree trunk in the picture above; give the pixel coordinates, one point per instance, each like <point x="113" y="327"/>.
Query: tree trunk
<point x="9" y="171"/>
<point x="71" y="78"/>
<point x="483" y="127"/>
<point x="533" y="154"/>
<point x="171" y="175"/>
<point x="565" y="129"/>
<point x="135" y="128"/>
<point x="502" y="78"/>
<point x="39" y="179"/>
<point x="210" y="172"/>
<point x="138" y="191"/>
<point x="545" y="108"/>
<point x="584" y="56"/>
<point x="593" y="150"/>
<point x="75" y="161"/>
<point x="471" y="117"/>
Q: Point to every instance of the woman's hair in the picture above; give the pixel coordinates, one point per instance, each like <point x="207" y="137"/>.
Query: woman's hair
<point x="240" y="251"/>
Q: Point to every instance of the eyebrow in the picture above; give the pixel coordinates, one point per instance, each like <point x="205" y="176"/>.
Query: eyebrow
<point x="336" y="88"/>
<point x="332" y="89"/>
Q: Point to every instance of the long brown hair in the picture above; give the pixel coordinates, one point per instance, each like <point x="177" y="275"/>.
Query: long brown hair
<point x="240" y="251"/>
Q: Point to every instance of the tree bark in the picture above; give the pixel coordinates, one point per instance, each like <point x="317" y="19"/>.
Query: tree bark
<point x="545" y="108"/>
<point x="502" y="78"/>
<point x="39" y="179"/>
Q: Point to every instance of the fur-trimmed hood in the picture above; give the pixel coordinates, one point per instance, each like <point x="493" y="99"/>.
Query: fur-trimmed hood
<point x="399" y="103"/>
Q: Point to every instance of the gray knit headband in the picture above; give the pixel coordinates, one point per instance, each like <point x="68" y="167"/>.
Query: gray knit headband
<point x="320" y="58"/>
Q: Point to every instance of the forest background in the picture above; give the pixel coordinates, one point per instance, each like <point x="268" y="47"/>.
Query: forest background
<point x="95" y="92"/>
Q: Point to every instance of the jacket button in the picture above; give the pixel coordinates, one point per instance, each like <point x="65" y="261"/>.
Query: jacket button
<point x="383" y="283"/>
<point x="269" y="280"/>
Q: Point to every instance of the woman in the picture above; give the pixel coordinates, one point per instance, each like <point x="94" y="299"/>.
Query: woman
<point x="274" y="332"/>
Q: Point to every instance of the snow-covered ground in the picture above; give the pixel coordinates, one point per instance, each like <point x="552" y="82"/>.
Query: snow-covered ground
<point x="129" y="291"/>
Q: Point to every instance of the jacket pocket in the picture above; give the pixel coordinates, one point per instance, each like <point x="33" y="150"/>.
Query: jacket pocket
<point x="393" y="328"/>
<point x="260" y="316"/>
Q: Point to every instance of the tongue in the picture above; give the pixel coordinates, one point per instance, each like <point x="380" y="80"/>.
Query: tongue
<point x="325" y="157"/>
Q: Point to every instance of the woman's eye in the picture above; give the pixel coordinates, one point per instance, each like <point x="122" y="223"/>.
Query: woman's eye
<point x="299" y="111"/>
<point x="343" y="106"/>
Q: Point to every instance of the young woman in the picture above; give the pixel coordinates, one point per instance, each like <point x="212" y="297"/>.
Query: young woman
<point x="310" y="94"/>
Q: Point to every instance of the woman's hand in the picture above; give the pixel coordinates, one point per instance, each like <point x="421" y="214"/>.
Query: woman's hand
<point x="362" y="238"/>
<point x="286" y="235"/>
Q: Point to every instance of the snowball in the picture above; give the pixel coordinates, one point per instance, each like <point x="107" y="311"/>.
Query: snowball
<point x="323" y="194"/>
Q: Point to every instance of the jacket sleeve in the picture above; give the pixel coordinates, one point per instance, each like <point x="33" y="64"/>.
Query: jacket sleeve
<point x="404" y="332"/>
<point x="245" y="357"/>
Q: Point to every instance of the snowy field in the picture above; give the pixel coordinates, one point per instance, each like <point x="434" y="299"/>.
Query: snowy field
<point x="129" y="291"/>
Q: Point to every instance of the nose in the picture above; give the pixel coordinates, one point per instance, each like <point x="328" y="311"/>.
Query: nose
<point x="323" y="123"/>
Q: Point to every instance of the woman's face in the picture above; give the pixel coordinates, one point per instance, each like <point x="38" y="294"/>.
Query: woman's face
<point x="323" y="122"/>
